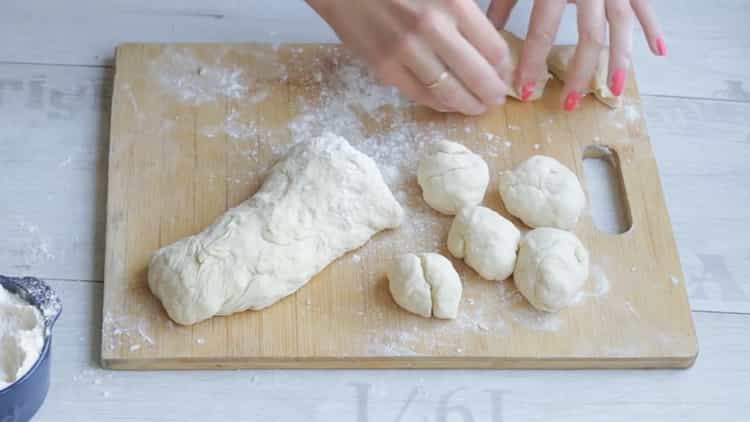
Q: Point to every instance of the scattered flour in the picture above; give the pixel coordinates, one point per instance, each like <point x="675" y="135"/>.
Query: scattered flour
<point x="21" y="337"/>
<point x="120" y="331"/>
<point x="37" y="248"/>
<point x="196" y="82"/>
<point x="341" y="96"/>
<point x="600" y="282"/>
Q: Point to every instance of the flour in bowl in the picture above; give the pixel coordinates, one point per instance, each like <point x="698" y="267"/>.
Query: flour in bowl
<point x="21" y="337"/>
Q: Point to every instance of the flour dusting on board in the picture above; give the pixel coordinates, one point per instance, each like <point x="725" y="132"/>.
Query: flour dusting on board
<point x="195" y="81"/>
<point x="120" y="331"/>
<point x="340" y="95"/>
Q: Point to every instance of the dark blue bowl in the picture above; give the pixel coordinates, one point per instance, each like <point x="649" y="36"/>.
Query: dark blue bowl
<point x="20" y="400"/>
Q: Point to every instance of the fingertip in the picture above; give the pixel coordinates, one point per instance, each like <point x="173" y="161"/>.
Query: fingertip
<point x="660" y="47"/>
<point x="571" y="101"/>
<point x="526" y="90"/>
<point x="617" y="82"/>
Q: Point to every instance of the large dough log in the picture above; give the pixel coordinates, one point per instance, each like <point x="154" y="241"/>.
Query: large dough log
<point x="324" y="199"/>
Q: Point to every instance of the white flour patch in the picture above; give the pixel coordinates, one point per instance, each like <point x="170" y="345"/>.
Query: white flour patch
<point x="522" y="313"/>
<point x="66" y="162"/>
<point x="125" y="331"/>
<point x="196" y="82"/>
<point x="37" y="248"/>
<point x="629" y="307"/>
<point x="232" y="126"/>
<point x="600" y="282"/>
<point x="631" y="112"/>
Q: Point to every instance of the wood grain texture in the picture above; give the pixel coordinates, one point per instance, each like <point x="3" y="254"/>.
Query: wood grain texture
<point x="82" y="391"/>
<point x="161" y="190"/>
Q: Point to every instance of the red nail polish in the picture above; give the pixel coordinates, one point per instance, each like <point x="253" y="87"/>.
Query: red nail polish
<point x="526" y="90"/>
<point x="661" y="49"/>
<point x="617" y="83"/>
<point x="571" y="101"/>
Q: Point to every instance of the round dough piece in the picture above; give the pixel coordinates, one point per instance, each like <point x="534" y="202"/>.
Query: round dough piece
<point x="551" y="269"/>
<point x="452" y="177"/>
<point x="486" y="241"/>
<point x="543" y="193"/>
<point x="425" y="284"/>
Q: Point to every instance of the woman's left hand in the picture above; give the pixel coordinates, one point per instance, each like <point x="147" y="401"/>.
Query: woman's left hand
<point x="593" y="17"/>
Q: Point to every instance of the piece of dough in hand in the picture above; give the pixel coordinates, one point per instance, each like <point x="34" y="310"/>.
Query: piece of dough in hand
<point x="322" y="200"/>
<point x="425" y="284"/>
<point x="558" y="60"/>
<point x="551" y="269"/>
<point x="486" y="241"/>
<point x="515" y="45"/>
<point x="452" y="177"/>
<point x="543" y="193"/>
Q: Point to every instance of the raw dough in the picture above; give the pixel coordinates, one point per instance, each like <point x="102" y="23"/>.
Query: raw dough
<point x="425" y="284"/>
<point x="543" y="193"/>
<point x="486" y="241"/>
<point x="21" y="337"/>
<point x="323" y="199"/>
<point x="452" y="177"/>
<point x="551" y="269"/>
<point x="515" y="45"/>
<point x="558" y="61"/>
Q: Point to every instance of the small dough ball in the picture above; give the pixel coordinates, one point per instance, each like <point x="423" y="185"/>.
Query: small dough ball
<point x="543" y="193"/>
<point x="551" y="269"/>
<point x="452" y="177"/>
<point x="425" y="284"/>
<point x="486" y="241"/>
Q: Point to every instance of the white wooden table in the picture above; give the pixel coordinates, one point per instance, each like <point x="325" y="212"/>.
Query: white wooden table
<point x="55" y="82"/>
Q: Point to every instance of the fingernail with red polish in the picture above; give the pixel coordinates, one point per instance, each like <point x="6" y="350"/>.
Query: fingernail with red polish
<point x="617" y="83"/>
<point x="661" y="49"/>
<point x="571" y="101"/>
<point x="526" y="90"/>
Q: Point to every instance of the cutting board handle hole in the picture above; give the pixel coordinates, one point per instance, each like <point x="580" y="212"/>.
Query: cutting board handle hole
<point x="606" y="190"/>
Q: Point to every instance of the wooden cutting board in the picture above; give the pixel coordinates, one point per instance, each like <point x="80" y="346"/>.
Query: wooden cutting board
<point x="194" y="127"/>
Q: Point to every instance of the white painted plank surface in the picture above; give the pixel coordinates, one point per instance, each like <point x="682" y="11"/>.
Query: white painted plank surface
<point x="54" y="131"/>
<point x="703" y="151"/>
<point x="714" y="389"/>
<point x="708" y="46"/>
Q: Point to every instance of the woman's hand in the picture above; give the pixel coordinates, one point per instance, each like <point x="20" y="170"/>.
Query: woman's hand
<point x="441" y="53"/>
<point x="593" y="16"/>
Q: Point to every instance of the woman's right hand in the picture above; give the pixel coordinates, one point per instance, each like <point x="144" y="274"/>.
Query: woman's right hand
<point x="441" y="53"/>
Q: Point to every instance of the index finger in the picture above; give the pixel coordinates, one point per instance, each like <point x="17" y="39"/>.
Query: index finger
<point x="543" y="25"/>
<point x="591" y="33"/>
<point x="479" y="31"/>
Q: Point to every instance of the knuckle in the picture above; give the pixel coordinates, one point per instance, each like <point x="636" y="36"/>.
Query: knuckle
<point x="479" y="84"/>
<point x="405" y="45"/>
<point x="541" y="35"/>
<point x="454" y="6"/>
<point x="592" y="36"/>
<point x="619" y="12"/>
<point x="428" y="20"/>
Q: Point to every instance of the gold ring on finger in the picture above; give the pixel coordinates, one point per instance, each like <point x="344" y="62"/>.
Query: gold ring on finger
<point x="443" y="76"/>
